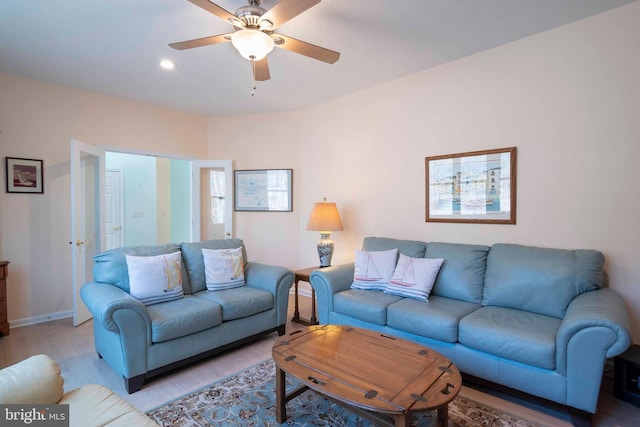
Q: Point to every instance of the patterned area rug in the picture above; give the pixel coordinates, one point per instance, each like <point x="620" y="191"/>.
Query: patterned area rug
<point x="248" y="399"/>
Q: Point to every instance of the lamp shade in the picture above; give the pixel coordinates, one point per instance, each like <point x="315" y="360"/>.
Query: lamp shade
<point x="252" y="44"/>
<point x="324" y="217"/>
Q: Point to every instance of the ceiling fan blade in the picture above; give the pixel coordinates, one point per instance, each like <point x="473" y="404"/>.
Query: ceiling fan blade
<point x="284" y="10"/>
<point x="204" y="41"/>
<point x="308" y="49"/>
<point x="214" y="8"/>
<point x="261" y="70"/>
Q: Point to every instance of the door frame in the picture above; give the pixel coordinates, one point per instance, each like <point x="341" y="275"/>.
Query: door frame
<point x="78" y="216"/>
<point x="196" y="168"/>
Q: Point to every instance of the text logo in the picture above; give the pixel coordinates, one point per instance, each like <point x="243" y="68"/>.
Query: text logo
<point x="34" y="415"/>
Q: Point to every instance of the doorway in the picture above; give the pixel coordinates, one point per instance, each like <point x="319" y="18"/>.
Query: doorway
<point x="153" y="205"/>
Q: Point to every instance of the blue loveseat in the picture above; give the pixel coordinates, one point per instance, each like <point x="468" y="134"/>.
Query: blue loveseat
<point x="141" y="341"/>
<point x="537" y="320"/>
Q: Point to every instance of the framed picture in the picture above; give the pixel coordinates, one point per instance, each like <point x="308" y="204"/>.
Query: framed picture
<point x="267" y="190"/>
<point x="24" y="175"/>
<point x="474" y="187"/>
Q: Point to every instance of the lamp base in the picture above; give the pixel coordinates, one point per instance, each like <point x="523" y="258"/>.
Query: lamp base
<point x="325" y="249"/>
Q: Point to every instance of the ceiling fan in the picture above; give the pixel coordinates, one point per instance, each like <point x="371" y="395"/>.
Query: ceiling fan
<point x="254" y="35"/>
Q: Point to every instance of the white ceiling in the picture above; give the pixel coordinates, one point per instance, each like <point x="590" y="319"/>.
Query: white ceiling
<point x="114" y="46"/>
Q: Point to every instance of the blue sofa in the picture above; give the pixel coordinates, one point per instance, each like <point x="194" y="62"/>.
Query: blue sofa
<point x="537" y="320"/>
<point x="141" y="341"/>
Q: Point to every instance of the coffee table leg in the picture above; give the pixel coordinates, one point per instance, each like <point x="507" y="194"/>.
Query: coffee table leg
<point x="443" y="416"/>
<point x="281" y="398"/>
<point x="403" y="420"/>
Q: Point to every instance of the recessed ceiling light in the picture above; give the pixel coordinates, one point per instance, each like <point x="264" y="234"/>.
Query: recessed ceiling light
<point x="167" y="64"/>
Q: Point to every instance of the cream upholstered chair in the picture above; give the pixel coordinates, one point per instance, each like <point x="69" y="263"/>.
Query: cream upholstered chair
<point x="37" y="380"/>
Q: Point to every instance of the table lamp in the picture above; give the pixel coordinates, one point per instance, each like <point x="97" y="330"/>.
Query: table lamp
<point x="325" y="219"/>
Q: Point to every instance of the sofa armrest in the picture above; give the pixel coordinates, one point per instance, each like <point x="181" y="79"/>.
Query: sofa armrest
<point x="94" y="405"/>
<point x="328" y="281"/>
<point x="35" y="380"/>
<point x="103" y="300"/>
<point x="274" y="279"/>
<point x="602" y="308"/>
<point x="595" y="327"/>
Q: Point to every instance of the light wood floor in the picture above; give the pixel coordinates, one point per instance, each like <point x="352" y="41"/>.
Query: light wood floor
<point x="73" y="349"/>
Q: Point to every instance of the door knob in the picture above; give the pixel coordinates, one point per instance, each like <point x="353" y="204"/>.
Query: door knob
<point x="117" y="228"/>
<point x="80" y="242"/>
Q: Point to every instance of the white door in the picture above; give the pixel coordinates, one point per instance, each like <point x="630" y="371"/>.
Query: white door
<point x="87" y="213"/>
<point x="211" y="200"/>
<point x="114" y="209"/>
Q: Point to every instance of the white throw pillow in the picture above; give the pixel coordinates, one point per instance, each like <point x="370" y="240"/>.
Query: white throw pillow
<point x="414" y="277"/>
<point x="154" y="279"/>
<point x="223" y="268"/>
<point x="373" y="269"/>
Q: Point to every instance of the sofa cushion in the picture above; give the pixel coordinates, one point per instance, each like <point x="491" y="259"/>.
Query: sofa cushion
<point x="437" y="318"/>
<point x="462" y="274"/>
<point x="369" y="306"/>
<point x="373" y="269"/>
<point x="155" y="279"/>
<point x="414" y="277"/>
<point x="410" y="248"/>
<point x="182" y="317"/>
<point x="111" y="266"/>
<point x="514" y="334"/>
<point x="193" y="261"/>
<point x="223" y="268"/>
<point x="540" y="280"/>
<point x="239" y="302"/>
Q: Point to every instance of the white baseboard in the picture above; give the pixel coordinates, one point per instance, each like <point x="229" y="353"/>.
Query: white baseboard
<point x="17" y="323"/>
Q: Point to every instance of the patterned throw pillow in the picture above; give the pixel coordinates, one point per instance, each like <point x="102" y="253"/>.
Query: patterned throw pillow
<point x="414" y="277"/>
<point x="373" y="269"/>
<point x="154" y="279"/>
<point x="223" y="268"/>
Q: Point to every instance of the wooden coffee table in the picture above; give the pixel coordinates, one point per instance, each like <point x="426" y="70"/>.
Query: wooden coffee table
<point x="369" y="372"/>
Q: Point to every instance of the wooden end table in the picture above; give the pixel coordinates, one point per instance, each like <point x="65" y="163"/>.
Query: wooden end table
<point x="368" y="372"/>
<point x="303" y="275"/>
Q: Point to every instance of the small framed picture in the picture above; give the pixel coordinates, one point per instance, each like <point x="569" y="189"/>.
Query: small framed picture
<point x="24" y="175"/>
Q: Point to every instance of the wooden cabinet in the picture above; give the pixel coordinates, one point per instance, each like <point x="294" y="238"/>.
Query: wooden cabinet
<point x="4" y="325"/>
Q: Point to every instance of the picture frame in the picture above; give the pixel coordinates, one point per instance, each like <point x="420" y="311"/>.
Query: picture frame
<point x="472" y="187"/>
<point x="24" y="175"/>
<point x="263" y="190"/>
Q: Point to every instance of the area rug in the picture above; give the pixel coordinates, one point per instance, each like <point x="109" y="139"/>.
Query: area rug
<point x="247" y="399"/>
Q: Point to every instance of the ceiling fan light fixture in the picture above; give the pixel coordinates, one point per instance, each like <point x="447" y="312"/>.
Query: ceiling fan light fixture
<point x="253" y="45"/>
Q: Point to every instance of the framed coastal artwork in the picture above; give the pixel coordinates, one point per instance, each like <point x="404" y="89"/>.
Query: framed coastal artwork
<point x="24" y="175"/>
<point x="265" y="190"/>
<point x="473" y="187"/>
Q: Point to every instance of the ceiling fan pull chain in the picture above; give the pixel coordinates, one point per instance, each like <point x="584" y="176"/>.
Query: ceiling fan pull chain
<point x="253" y="72"/>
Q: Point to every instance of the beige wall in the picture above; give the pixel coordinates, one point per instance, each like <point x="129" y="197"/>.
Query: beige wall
<point x="37" y="120"/>
<point x="569" y="99"/>
<point x="270" y="141"/>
